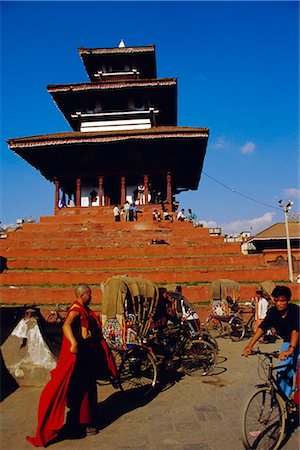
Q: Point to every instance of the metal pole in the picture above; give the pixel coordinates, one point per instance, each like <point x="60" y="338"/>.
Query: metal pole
<point x="286" y="210"/>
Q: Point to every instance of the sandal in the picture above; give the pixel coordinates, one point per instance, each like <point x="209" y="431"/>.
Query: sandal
<point x="91" y="431"/>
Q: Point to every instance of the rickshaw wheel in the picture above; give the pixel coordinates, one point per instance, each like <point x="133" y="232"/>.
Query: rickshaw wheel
<point x="214" y="326"/>
<point x="207" y="337"/>
<point x="236" y="329"/>
<point x="199" y="358"/>
<point x="137" y="373"/>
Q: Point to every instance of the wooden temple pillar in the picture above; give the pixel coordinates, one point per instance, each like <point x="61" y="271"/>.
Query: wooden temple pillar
<point x="78" y="192"/>
<point x="169" y="188"/>
<point x="123" y="190"/>
<point x="56" y="200"/>
<point x="100" y="190"/>
<point x="146" y="191"/>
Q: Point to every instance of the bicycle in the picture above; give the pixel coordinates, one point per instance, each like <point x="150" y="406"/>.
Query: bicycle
<point x="249" y="324"/>
<point x="267" y="411"/>
<point x="172" y="348"/>
<point x="56" y="316"/>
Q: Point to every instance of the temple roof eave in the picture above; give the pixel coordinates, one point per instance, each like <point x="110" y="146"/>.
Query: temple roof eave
<point x="161" y="93"/>
<point x="180" y="150"/>
<point x="108" y="85"/>
<point x="73" y="137"/>
<point x="116" y="50"/>
<point x="141" y="58"/>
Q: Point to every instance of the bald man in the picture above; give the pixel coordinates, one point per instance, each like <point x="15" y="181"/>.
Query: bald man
<point x="73" y="381"/>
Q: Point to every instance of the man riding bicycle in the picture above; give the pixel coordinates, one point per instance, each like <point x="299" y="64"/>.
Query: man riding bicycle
<point x="284" y="318"/>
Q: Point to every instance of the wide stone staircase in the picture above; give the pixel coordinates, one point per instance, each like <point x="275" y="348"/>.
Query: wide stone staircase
<point x="46" y="260"/>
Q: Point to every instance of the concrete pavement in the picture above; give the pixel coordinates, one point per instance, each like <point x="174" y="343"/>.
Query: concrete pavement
<point x="189" y="414"/>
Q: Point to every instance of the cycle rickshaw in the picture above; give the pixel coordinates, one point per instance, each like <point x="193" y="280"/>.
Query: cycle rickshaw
<point x="128" y="308"/>
<point x="223" y="320"/>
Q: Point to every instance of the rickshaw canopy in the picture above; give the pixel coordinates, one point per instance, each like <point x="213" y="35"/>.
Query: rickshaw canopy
<point x="222" y="288"/>
<point x="220" y="291"/>
<point x="267" y="287"/>
<point x="128" y="304"/>
<point x="117" y="288"/>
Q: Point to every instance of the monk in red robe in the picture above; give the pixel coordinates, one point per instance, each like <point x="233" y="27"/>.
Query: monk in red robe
<point x="84" y="354"/>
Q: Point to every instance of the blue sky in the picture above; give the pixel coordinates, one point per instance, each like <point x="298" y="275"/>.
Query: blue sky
<point x="237" y="65"/>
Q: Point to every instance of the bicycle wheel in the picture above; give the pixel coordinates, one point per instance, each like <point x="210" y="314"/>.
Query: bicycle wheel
<point x="137" y="373"/>
<point x="264" y="420"/>
<point x="236" y="329"/>
<point x="54" y="318"/>
<point x="198" y="358"/>
<point x="117" y="355"/>
<point x="214" y="326"/>
<point x="207" y="337"/>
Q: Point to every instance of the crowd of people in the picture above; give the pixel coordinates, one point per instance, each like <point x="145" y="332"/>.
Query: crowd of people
<point x="84" y="354"/>
<point x="181" y="216"/>
<point x="129" y="212"/>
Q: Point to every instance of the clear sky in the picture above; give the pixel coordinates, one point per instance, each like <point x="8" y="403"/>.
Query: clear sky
<point x="237" y="65"/>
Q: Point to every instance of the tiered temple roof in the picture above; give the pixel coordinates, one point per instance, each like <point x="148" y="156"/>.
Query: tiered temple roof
<point x="125" y="132"/>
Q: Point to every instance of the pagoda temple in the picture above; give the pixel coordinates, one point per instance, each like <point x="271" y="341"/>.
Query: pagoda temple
<point x="124" y="134"/>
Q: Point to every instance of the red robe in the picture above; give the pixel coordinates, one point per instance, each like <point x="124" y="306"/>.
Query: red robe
<point x="52" y="404"/>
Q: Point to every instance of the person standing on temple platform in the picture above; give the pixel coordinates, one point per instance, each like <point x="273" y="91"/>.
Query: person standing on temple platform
<point x="71" y="203"/>
<point x="93" y="196"/>
<point x="134" y="212"/>
<point x="181" y="216"/>
<point x="61" y="203"/>
<point x="191" y="217"/>
<point x="126" y="209"/>
<point x="141" y="190"/>
<point x="117" y="214"/>
<point x="175" y="205"/>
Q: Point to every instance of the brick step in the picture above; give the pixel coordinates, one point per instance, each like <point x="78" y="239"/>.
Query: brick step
<point x="65" y="295"/>
<point x="119" y="250"/>
<point x="107" y="240"/>
<point x="157" y="276"/>
<point x="121" y="243"/>
<point x="136" y="230"/>
<point x="134" y="261"/>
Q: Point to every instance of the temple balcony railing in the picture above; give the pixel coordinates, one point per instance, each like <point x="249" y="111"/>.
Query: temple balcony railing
<point x="132" y="74"/>
<point x="117" y="120"/>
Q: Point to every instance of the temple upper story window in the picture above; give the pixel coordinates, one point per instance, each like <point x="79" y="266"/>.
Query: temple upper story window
<point x="116" y="120"/>
<point x="113" y="73"/>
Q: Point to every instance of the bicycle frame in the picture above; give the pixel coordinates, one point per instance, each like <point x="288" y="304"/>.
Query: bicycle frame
<point x="267" y="409"/>
<point x="273" y="381"/>
<point x="251" y="319"/>
<point x="169" y="353"/>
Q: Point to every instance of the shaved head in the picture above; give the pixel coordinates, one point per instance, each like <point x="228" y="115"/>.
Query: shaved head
<point x="81" y="289"/>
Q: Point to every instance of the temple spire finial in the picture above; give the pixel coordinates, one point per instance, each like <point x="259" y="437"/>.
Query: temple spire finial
<point x="122" y="44"/>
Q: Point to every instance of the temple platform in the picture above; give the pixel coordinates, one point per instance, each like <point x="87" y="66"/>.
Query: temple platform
<point x="46" y="260"/>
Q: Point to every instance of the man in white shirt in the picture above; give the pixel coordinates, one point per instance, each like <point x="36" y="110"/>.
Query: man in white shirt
<point x="126" y="209"/>
<point x="181" y="216"/>
<point x="116" y="212"/>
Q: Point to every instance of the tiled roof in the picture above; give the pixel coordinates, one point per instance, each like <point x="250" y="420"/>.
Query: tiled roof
<point x="277" y="231"/>
<point x="105" y="136"/>
<point x="106" y="85"/>
<point x="118" y="50"/>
